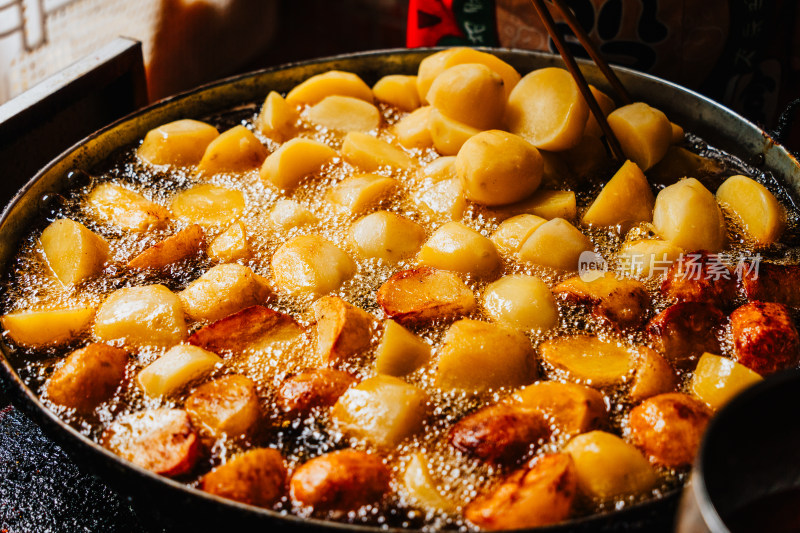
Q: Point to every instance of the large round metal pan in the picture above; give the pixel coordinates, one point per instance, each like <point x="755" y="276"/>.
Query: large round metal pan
<point x="172" y="505"/>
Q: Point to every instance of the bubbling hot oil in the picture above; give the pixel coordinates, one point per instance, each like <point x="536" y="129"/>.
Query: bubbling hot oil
<point x="31" y="285"/>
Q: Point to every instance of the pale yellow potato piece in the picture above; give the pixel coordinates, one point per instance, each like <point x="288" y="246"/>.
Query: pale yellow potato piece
<point x="429" y="68"/>
<point x="606" y="104"/>
<point x="543" y="203"/>
<point x="448" y="134"/>
<point x="288" y="214"/>
<point x="512" y="232"/>
<point x="412" y="130"/>
<point x="555" y="244"/>
<point x="173" y="371"/>
<point x="608" y="467"/>
<point x="469" y="55"/>
<point x="370" y="153"/>
<point x="311" y="264"/>
<point x="421" y="487"/>
<point x="424" y="294"/>
<point x="151" y="315"/>
<point x="73" y="251"/>
<point x="344" y="331"/>
<point x="47" y="328"/>
<point x="180" y="143"/>
<point x="288" y="165"/>
<point x="625" y="200"/>
<point x="386" y="236"/>
<point x="470" y="93"/>
<point x="333" y="82"/>
<point x="235" y="150"/>
<point x="222" y="290"/>
<point x="230" y="245"/>
<point x="382" y="410"/>
<point x="762" y="216"/>
<point x="588" y="360"/>
<point x="644" y="133"/>
<point x="344" y="113"/>
<point x="716" y="380"/>
<point x="440" y="169"/>
<point x="652" y="375"/>
<point x="361" y="192"/>
<point x="476" y="355"/>
<point x="126" y="209"/>
<point x="208" y="205"/>
<point x="444" y="199"/>
<point x="400" y="352"/>
<point x="185" y="243"/>
<point x="647" y="257"/>
<point x="522" y="302"/>
<point x="398" y="90"/>
<point x="687" y="214"/>
<point x="496" y="168"/>
<point x="547" y="109"/>
<point x="277" y="118"/>
<point x="459" y="248"/>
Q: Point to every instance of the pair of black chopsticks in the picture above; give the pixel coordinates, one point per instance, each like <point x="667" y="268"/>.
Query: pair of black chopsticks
<point x="572" y="66"/>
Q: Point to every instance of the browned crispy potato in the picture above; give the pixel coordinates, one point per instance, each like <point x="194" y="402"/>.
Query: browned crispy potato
<point x="88" y="377"/>
<point x="160" y="440"/>
<point x="500" y="433"/>
<point x="623" y="302"/>
<point x="699" y="277"/>
<point x="652" y="375"/>
<point x="423" y="294"/>
<point x="668" y="428"/>
<point x="686" y="330"/>
<point x="319" y="387"/>
<point x="343" y="330"/>
<point x="765" y="339"/>
<point x="340" y="481"/>
<point x="256" y="477"/>
<point x="571" y="409"/>
<point x="773" y="283"/>
<point x="185" y="243"/>
<point x="226" y="405"/>
<point x="538" y="494"/>
<point x="249" y="328"/>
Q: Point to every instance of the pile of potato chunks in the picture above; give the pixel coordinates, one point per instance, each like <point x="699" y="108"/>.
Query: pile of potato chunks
<point x="467" y="134"/>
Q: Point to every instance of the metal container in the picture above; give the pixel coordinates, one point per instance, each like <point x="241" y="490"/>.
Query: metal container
<point x="166" y="503"/>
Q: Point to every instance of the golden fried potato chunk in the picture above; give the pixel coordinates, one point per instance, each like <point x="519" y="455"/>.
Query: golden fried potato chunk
<point x="571" y="408"/>
<point x="311" y="264"/>
<point x="699" y="277"/>
<point x="621" y="301"/>
<point x="400" y="351"/>
<point x="186" y="243"/>
<point x="73" y="251"/>
<point x="223" y="290"/>
<point x="470" y="93"/>
<point x="588" y="359"/>
<point x="160" y="440"/>
<point x="420" y="486"/>
<point x="251" y="328"/>
<point x="227" y="405"/>
<point x="47" y="328"/>
<point x="765" y="339"/>
<point x="717" y="379"/>
<point x="669" y="427"/>
<point x="343" y="330"/>
<point x="319" y="387"/>
<point x="454" y="246"/>
<point x="424" y="294"/>
<point x="125" y="208"/>
<point x="539" y="494"/>
<point x="343" y="480"/>
<point x="370" y="153"/>
<point x="328" y="83"/>
<point x="500" y="433"/>
<point x="208" y="205"/>
<point x="235" y="150"/>
<point x="88" y="377"/>
<point x="256" y="477"/>
<point x="687" y="214"/>
<point x="624" y="201"/>
<point x="398" y="90"/>
<point x="686" y="330"/>
<point x="652" y="375"/>
<point x="277" y="118"/>
<point x="148" y="315"/>
<point x="178" y="367"/>
<point x="230" y="245"/>
<point x="179" y="143"/>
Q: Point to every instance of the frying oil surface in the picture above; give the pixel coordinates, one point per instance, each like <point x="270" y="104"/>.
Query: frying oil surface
<point x="31" y="285"/>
